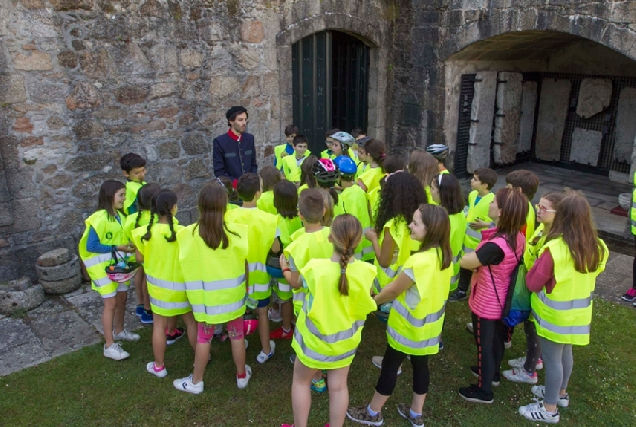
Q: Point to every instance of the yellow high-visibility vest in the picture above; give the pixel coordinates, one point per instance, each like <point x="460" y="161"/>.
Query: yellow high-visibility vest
<point x="457" y="236"/>
<point x="404" y="246"/>
<point x="476" y="210"/>
<point x="132" y="188"/>
<point x="266" y="202"/>
<point x="353" y="200"/>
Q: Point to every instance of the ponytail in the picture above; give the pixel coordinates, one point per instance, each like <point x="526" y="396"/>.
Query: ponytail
<point x="148" y="235"/>
<point x="138" y="217"/>
<point x="173" y="235"/>
<point x="343" y="285"/>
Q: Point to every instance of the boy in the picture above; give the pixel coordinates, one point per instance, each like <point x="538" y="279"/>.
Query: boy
<point x="134" y="168"/>
<point x="283" y="150"/>
<point x="262" y="232"/>
<point x="328" y="154"/>
<point x="353" y="200"/>
<point x="528" y="183"/>
<point x="291" y="164"/>
<point x="307" y="244"/>
<point x="477" y="219"/>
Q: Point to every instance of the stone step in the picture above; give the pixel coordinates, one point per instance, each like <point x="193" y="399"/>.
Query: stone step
<point x="59" y="272"/>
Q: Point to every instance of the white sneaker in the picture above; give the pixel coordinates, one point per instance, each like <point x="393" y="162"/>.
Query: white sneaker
<point x="185" y="384"/>
<point x="115" y="352"/>
<point x="246" y="343"/>
<point x="262" y="357"/>
<point x="537" y="412"/>
<point x="377" y="362"/>
<point x="539" y="391"/>
<point x="517" y="375"/>
<point x="150" y="367"/>
<point x="508" y="344"/>
<point x="125" y="335"/>
<point x="519" y="362"/>
<point x="241" y="383"/>
<point x="274" y="315"/>
<point x="469" y="327"/>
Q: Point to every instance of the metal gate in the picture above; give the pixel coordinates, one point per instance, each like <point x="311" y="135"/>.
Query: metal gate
<point x="330" y="82"/>
<point x="466" y="95"/>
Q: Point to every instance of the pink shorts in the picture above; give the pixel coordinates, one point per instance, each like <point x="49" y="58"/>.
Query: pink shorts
<point x="205" y="332"/>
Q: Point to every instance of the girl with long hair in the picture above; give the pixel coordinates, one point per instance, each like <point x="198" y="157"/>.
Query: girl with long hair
<point x="493" y="262"/>
<point x="424" y="167"/>
<point x="372" y="153"/>
<point x="562" y="282"/>
<point x="307" y="179"/>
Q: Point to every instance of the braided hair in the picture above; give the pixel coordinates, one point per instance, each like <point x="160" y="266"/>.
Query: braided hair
<point x="346" y="233"/>
<point x="144" y="199"/>
<point x="162" y="205"/>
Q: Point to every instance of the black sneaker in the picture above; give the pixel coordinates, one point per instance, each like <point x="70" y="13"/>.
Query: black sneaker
<point x="476" y="394"/>
<point x="457" y="296"/>
<point x="176" y="335"/>
<point x="630" y="295"/>
<point x="495" y="381"/>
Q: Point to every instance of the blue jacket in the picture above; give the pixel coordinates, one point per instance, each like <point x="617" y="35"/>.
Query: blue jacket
<point x="232" y="158"/>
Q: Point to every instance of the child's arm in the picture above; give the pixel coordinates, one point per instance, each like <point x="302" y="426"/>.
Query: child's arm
<point x="290" y="276"/>
<point x="478" y="224"/>
<point x="383" y="254"/>
<point x="139" y="257"/>
<point x="394" y="289"/>
<point x="361" y="184"/>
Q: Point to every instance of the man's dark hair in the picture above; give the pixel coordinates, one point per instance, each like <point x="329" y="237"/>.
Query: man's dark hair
<point x="233" y="112"/>
<point x="486" y="176"/>
<point x="300" y="139"/>
<point x="291" y="130"/>
<point x="248" y="185"/>
<point x="131" y="161"/>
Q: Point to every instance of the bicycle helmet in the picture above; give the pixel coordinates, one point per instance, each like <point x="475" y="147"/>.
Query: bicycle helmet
<point x="344" y="138"/>
<point x="325" y="171"/>
<point x="439" y="151"/>
<point x="346" y="165"/>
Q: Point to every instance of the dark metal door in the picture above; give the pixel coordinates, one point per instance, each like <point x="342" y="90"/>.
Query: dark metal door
<point x="330" y="80"/>
<point x="466" y="95"/>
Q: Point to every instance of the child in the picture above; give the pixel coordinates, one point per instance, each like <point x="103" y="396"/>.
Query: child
<point x="139" y="219"/>
<point x="439" y="151"/>
<point x="307" y="179"/>
<point x="562" y="283"/>
<point x="327" y="175"/>
<point x="416" y="319"/>
<point x="270" y="177"/>
<point x="104" y="234"/>
<point x="337" y="299"/>
<point x="493" y="262"/>
<point x="328" y="153"/>
<point x="234" y="201"/>
<point x="312" y="243"/>
<point x="447" y="192"/>
<point x="262" y="230"/>
<point x="353" y="200"/>
<point x="424" y="167"/>
<point x="283" y="150"/>
<point x="476" y="219"/>
<point x="291" y="164"/>
<point x="358" y="134"/>
<point x="342" y="143"/>
<point x="217" y="295"/>
<point x="157" y="249"/>
<point x="392" y="164"/>
<point x="372" y="153"/>
<point x="528" y="183"/>
<point x="134" y="168"/>
<point x="286" y="203"/>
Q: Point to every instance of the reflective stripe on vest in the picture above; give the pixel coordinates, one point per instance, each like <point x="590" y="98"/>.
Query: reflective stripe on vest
<point x="456" y="258"/>
<point x="363" y="252"/>
<point x="257" y="288"/>
<point x="330" y="338"/>
<point x="473" y="234"/>
<point x="98" y="259"/>
<point x="317" y="356"/>
<point x="257" y="266"/>
<point x="299" y="296"/>
<point x="564" y="305"/>
<point x="169" y="305"/>
<point x="102" y="282"/>
<point x="166" y="284"/>
<point x="283" y="286"/>
<point x="410" y="343"/>
<point x="390" y="272"/>
<point x="214" y="285"/>
<point x="562" y="330"/>
<point x="455" y="278"/>
<point x="418" y="323"/>
<point x="219" y="309"/>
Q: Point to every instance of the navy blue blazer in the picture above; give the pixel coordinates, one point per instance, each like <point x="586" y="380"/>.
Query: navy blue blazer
<point x="233" y="158"/>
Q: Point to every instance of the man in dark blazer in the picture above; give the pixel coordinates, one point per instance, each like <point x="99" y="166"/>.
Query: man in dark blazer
<point x="233" y="153"/>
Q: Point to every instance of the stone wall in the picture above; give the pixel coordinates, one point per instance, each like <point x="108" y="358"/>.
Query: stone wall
<point x="84" y="81"/>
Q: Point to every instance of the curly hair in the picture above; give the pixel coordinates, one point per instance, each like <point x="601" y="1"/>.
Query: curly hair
<point x="401" y="196"/>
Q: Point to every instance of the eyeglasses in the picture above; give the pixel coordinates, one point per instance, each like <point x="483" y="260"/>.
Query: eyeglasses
<point x="543" y="209"/>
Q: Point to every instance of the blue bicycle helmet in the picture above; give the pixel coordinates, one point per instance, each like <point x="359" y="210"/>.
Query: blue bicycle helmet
<point x="346" y="165"/>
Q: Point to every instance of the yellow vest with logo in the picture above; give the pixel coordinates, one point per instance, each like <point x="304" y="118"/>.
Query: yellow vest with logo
<point x="303" y="248"/>
<point x="132" y="188"/>
<point x="166" y="286"/>
<point x="473" y="212"/>
<point x="291" y="168"/>
<point x="457" y="235"/>
<point x="329" y="326"/>
<point x="261" y="232"/>
<point x="632" y="210"/>
<point x="533" y="246"/>
<point x="278" y="153"/>
<point x="214" y="278"/>
<point x="417" y="315"/>
<point x="266" y="202"/>
<point x="110" y="232"/>
<point x="565" y="315"/>
<point x="404" y="246"/>
<point x="353" y="200"/>
<point x="371" y="177"/>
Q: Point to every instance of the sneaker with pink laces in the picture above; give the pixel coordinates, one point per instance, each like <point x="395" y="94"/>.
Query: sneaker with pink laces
<point x="630" y="295"/>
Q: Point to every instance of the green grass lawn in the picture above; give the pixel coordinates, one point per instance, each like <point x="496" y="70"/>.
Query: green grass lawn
<point x="85" y="389"/>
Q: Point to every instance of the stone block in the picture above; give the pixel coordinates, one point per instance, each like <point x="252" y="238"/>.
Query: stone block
<point x="249" y="58"/>
<point x="19" y="347"/>
<point x="62" y="286"/>
<point x="553" y="109"/>
<point x="162" y="90"/>
<point x="67" y="59"/>
<point x="221" y="87"/>
<point x="153" y="126"/>
<point x="508" y="117"/>
<point x="6" y="213"/>
<point x="20" y="294"/>
<point x="23" y="125"/>
<point x="60" y="271"/>
<point x="35" y="61"/>
<point x="131" y="95"/>
<point x="31" y="141"/>
<point x="252" y="31"/>
<point x="169" y="150"/>
<point x="586" y="146"/>
<point x="63" y="331"/>
<point x="594" y="96"/>
<point x="83" y="96"/>
<point x="12" y="89"/>
<point x="195" y="143"/>
<point x="63" y="5"/>
<point x="152" y="8"/>
<point x="88" y="129"/>
<point x="33" y="4"/>
<point x="197" y="169"/>
<point x="55" y="123"/>
<point x="88" y="163"/>
<point x="47" y="90"/>
<point x="482" y="115"/>
<point x="190" y="58"/>
<point x="625" y="130"/>
<point x="167" y="112"/>
<point x="54" y="258"/>
<point x="528" y="108"/>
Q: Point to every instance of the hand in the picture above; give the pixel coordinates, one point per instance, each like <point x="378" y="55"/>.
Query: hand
<point x="283" y="262"/>
<point x="284" y="154"/>
<point x="479" y="224"/>
<point x="129" y="248"/>
<point x="371" y="235"/>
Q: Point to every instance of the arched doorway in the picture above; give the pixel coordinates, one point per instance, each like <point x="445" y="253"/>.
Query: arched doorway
<point x="330" y="84"/>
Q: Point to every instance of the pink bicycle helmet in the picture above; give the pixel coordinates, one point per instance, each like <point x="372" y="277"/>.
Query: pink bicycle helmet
<point x="325" y="171"/>
<point x="250" y="323"/>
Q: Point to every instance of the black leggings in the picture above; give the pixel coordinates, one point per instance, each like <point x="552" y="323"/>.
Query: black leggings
<point x="490" y="336"/>
<point x="464" y="279"/>
<point x="391" y="363"/>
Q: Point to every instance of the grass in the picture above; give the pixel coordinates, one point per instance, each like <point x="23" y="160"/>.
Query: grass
<point x="85" y="389"/>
